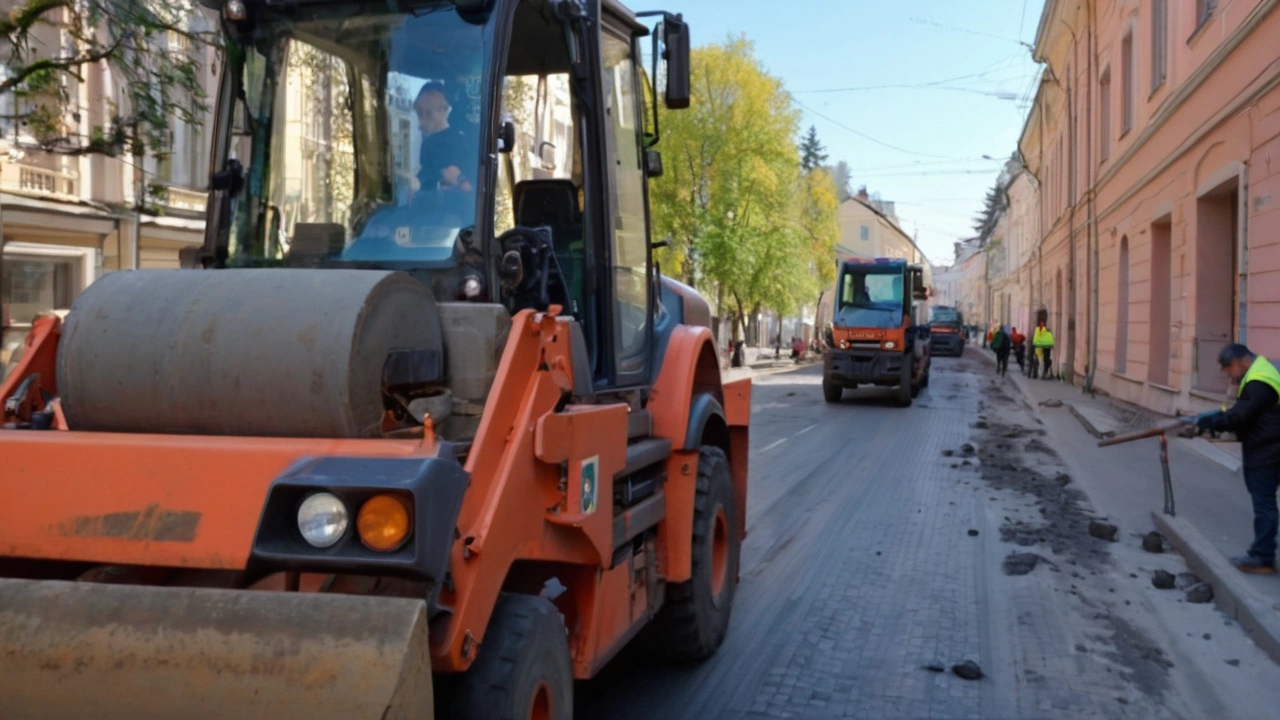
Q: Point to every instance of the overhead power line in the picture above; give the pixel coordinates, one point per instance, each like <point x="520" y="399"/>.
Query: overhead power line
<point x="953" y="28"/>
<point x="868" y="138"/>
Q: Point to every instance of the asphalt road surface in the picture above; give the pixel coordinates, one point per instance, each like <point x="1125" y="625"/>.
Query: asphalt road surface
<point x="862" y="568"/>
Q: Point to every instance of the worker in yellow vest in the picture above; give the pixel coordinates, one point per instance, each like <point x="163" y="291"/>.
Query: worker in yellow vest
<point x="1042" y="341"/>
<point x="1255" y="419"/>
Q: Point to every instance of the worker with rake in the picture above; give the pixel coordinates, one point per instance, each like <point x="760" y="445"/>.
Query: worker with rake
<point x="1255" y="419"/>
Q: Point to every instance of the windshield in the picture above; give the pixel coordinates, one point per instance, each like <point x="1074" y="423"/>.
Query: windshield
<point x="945" y="316"/>
<point x="870" y="299"/>
<point x="359" y="130"/>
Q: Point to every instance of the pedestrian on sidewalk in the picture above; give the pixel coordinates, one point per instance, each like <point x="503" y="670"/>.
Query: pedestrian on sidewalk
<point x="1001" y="344"/>
<point x="1255" y="419"/>
<point x="1042" y="341"/>
<point x="1019" y="348"/>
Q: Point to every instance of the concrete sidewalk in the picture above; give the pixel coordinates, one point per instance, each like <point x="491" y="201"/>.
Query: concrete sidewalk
<point x="1214" y="516"/>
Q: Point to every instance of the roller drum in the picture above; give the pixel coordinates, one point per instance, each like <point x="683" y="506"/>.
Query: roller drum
<point x="255" y="352"/>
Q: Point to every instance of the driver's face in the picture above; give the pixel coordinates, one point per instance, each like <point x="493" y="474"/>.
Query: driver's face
<point x="433" y="112"/>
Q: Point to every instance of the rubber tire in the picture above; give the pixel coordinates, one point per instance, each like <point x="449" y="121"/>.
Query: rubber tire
<point x="692" y="624"/>
<point x="525" y="645"/>
<point x="905" y="389"/>
<point x="832" y="392"/>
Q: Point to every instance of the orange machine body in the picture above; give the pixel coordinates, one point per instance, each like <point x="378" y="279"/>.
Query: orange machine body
<point x="171" y="509"/>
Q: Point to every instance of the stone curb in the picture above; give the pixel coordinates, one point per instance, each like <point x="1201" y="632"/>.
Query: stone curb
<point x="1232" y="593"/>
<point x="1088" y="425"/>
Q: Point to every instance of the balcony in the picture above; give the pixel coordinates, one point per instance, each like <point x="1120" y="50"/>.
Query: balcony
<point x="184" y="200"/>
<point x="41" y="182"/>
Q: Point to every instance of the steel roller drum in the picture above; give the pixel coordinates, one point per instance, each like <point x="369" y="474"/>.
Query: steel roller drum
<point x="255" y="352"/>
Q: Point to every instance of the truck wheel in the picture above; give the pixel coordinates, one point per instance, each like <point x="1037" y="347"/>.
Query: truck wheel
<point x="906" y="389"/>
<point x="693" y="622"/>
<point x="523" y="671"/>
<point x="831" y="391"/>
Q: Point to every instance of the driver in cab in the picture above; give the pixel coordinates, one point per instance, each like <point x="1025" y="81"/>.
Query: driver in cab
<point x="444" y="149"/>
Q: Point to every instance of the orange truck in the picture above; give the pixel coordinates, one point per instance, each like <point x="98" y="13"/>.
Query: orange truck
<point x="875" y="337"/>
<point x="425" y="435"/>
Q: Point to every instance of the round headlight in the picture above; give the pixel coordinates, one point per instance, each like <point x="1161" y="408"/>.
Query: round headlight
<point x="471" y="288"/>
<point x="889" y="345"/>
<point x="322" y="519"/>
<point x="383" y="522"/>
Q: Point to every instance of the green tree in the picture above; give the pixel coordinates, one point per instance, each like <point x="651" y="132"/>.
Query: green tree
<point x="812" y="153"/>
<point x="146" y="44"/>
<point x="728" y="198"/>
<point x="992" y="206"/>
<point x="819" y="209"/>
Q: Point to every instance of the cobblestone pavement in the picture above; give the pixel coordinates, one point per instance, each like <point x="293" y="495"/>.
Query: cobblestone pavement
<point x="862" y="569"/>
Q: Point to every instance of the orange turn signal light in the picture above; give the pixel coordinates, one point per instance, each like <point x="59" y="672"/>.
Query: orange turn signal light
<point x="383" y="522"/>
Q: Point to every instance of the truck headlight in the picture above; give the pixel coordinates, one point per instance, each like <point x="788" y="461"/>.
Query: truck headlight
<point x="889" y="345"/>
<point x="322" y="519"/>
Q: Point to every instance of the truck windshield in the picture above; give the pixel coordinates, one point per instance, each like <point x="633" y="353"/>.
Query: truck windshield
<point x="870" y="298"/>
<point x="944" y="316"/>
<point x="358" y="125"/>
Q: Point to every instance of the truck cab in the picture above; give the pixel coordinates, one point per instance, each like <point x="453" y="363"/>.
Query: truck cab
<point x="876" y="337"/>
<point x="946" y="329"/>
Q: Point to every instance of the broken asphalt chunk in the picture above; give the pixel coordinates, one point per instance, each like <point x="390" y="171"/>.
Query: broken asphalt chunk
<point x="1200" y="594"/>
<point x="1103" y="531"/>
<point x="1163" y="580"/>
<point x="973" y="533"/>
<point x="1186" y="580"/>
<point x="1153" y="542"/>
<point x="967" y="670"/>
<point x="936" y="666"/>
<point x="1020" y="563"/>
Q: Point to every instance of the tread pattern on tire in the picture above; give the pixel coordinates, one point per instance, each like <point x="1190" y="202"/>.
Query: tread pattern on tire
<point x="516" y="621"/>
<point x="677" y="632"/>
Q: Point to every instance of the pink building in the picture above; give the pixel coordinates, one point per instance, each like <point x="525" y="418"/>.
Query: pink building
<point x="1155" y="138"/>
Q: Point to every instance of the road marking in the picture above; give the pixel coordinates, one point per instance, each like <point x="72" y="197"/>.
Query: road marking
<point x="768" y="406"/>
<point x="806" y="430"/>
<point x="773" y="445"/>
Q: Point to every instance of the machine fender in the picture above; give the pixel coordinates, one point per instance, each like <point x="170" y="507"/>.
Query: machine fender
<point x="701" y="411"/>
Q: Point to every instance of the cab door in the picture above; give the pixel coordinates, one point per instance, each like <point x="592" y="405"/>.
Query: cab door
<point x="626" y="201"/>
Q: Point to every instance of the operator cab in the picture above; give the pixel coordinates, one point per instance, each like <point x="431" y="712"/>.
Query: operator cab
<point x="469" y="143"/>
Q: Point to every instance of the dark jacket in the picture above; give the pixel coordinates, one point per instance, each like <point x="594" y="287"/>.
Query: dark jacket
<point x="1255" y="419"/>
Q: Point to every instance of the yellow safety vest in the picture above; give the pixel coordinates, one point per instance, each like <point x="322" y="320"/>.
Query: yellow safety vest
<point x="1042" y="339"/>
<point x="1263" y="371"/>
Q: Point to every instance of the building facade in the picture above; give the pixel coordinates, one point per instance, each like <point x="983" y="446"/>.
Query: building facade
<point x="869" y="228"/>
<point x="68" y="219"/>
<point x="1150" y="212"/>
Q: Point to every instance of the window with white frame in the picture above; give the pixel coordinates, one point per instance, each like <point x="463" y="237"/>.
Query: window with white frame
<point x="36" y="279"/>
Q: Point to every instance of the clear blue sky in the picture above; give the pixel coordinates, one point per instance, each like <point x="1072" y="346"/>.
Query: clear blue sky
<point x="982" y="82"/>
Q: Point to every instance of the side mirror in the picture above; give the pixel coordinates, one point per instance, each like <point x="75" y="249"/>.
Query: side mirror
<point x="653" y="163"/>
<point x="506" y="136"/>
<point x="675" y="38"/>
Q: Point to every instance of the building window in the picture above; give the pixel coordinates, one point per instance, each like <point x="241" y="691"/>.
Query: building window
<point x="1126" y="84"/>
<point x="33" y="284"/>
<point x="1104" y="115"/>
<point x="1159" y="42"/>
<point x="864" y="233"/>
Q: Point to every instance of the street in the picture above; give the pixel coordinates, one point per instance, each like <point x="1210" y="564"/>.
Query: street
<point x="883" y="541"/>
